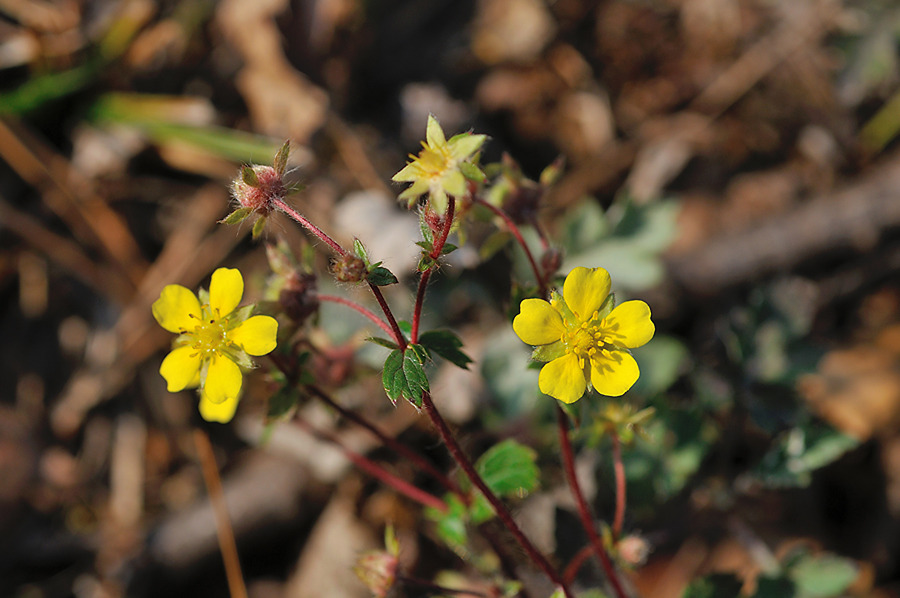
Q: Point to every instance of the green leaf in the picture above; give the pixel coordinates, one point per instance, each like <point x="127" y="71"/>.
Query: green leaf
<point x="383" y="342"/>
<point x="281" y="158"/>
<point x="774" y="587"/>
<point x="451" y="525"/>
<point x="239" y="215"/>
<point x="420" y="352"/>
<point x="282" y="403"/>
<point x="718" y="585"/>
<point x="446" y="344"/>
<point x="425" y="263"/>
<point x="381" y="276"/>
<point x="509" y="469"/>
<point x="403" y="376"/>
<point x="448" y="248"/>
<point x="823" y="576"/>
<point x="799" y="452"/>
<point x="249" y="176"/>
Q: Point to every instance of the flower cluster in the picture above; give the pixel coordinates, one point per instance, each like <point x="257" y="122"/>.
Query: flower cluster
<point x="215" y="341"/>
<point x="441" y="168"/>
<point x="584" y="338"/>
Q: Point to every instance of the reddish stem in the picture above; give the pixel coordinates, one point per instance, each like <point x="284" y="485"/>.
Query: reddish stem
<point x="619" y="468"/>
<point x="577" y="561"/>
<point x="385" y="308"/>
<point x="583" y="511"/>
<point x="281" y="205"/>
<point x="364" y="311"/>
<point x="376" y="471"/>
<point x="391" y="443"/>
<point x="502" y="512"/>
<point x="539" y="277"/>
<point x="436" y="250"/>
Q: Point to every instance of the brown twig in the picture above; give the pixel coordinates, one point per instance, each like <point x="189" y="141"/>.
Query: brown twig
<point x="225" y="534"/>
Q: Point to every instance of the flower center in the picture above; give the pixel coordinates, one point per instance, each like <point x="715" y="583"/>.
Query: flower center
<point x="584" y="340"/>
<point x="434" y="162"/>
<point x="209" y="335"/>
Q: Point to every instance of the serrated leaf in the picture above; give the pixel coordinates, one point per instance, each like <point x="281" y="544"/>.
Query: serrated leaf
<point x="403" y="376"/>
<point x="383" y="342"/>
<point x="258" y="227"/>
<point x="509" y="468"/>
<point x="381" y="276"/>
<point x="281" y="158"/>
<point x="360" y="251"/>
<point x="239" y="215"/>
<point x="248" y="175"/>
<point x="419" y="352"/>
<point x="446" y="344"/>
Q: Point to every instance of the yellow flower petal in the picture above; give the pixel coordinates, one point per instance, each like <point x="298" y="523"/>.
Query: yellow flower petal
<point x="217" y="412"/>
<point x="463" y="146"/>
<point x="585" y="290"/>
<point x="256" y="335"/>
<point x="629" y="324"/>
<point x="613" y="373"/>
<point x="434" y="134"/>
<point x="180" y="368"/>
<point x="563" y="379"/>
<point x="454" y="183"/>
<point x="177" y="309"/>
<point x="225" y="291"/>
<point x="223" y="380"/>
<point x="538" y="323"/>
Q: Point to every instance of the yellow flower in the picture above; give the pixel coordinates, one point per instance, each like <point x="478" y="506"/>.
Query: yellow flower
<point x="584" y="339"/>
<point x="439" y="168"/>
<point x="215" y="341"/>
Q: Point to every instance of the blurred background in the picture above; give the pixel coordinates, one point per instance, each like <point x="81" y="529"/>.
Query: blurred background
<point x="732" y="162"/>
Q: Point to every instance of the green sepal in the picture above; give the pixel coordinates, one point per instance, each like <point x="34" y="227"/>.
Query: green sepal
<point x="240" y="315"/>
<point x="248" y="175"/>
<point x="239" y="215"/>
<point x="426" y="232"/>
<point x="383" y="342"/>
<point x="381" y="276"/>
<point x="472" y="172"/>
<point x="446" y="344"/>
<point x="360" y="251"/>
<point x="281" y="158"/>
<point x="258" y="227"/>
<point x="545" y="353"/>
<point x="552" y="173"/>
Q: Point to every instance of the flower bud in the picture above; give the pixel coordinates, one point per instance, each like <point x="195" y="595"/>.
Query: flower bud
<point x="349" y="268"/>
<point x="633" y="550"/>
<point x="257" y="188"/>
<point x="298" y="296"/>
<point x="377" y="569"/>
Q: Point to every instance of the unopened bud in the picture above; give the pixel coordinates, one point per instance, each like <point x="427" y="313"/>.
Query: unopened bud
<point x="634" y="550"/>
<point x="551" y="261"/>
<point x="257" y="188"/>
<point x="298" y="297"/>
<point x="349" y="268"/>
<point x="377" y="570"/>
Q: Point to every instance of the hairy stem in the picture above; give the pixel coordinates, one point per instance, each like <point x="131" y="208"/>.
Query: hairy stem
<point x="436" y="250"/>
<point x="502" y="512"/>
<point x="354" y="305"/>
<point x="619" y="468"/>
<point x="376" y="471"/>
<point x="584" y="513"/>
<point x="386" y="309"/>
<point x="300" y="218"/>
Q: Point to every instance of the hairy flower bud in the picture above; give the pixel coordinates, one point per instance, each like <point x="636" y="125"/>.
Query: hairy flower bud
<point x="298" y="296"/>
<point x="349" y="268"/>
<point x="257" y="188"/>
<point x="377" y="569"/>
